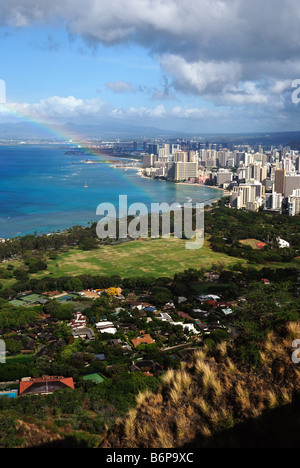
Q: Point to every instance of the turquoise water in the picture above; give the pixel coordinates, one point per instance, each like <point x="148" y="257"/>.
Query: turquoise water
<point x="42" y="189"/>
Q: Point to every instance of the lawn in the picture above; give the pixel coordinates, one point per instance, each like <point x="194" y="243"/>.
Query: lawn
<point x="150" y="257"/>
<point x="19" y="359"/>
<point x="252" y="242"/>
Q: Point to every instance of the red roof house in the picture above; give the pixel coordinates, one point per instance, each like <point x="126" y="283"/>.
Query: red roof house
<point x="44" y="385"/>
<point x="143" y="338"/>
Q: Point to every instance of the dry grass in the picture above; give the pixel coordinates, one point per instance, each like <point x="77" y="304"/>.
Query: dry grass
<point x="130" y="426"/>
<point x="271" y="399"/>
<point x="202" y="405"/>
<point x="205" y="431"/>
<point x="168" y="378"/>
<point x="293" y="330"/>
<point x="230" y="366"/>
<point x="210" y="395"/>
<point x="182" y="425"/>
<point x="272" y="349"/>
<point x="143" y="397"/>
<point x="285" y="397"/>
<point x="200" y="354"/>
<point x="242" y="397"/>
<point x="222" y="348"/>
<point x="175" y="396"/>
<point x="164" y="438"/>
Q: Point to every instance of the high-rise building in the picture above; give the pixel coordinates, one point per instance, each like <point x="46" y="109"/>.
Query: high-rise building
<point x="242" y="195"/>
<point x="263" y="174"/>
<point x="149" y="160"/>
<point x="279" y="181"/>
<point x="294" y="203"/>
<point x="273" y="201"/>
<point x="153" y="148"/>
<point x="292" y="182"/>
<point x="224" y="177"/>
<point x="193" y="156"/>
<point x="176" y="147"/>
<point x="180" y="156"/>
<point x="161" y="152"/>
<point x="183" y="171"/>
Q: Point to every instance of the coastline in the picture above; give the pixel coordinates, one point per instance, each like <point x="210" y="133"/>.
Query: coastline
<point x="67" y="186"/>
<point x="140" y="172"/>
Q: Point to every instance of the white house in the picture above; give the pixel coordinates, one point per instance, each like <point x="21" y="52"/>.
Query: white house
<point x="189" y="326"/>
<point x="164" y="317"/>
<point x="283" y="244"/>
<point x="106" y="327"/>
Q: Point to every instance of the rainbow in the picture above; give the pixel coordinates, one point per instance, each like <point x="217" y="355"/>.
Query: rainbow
<point x="56" y="132"/>
<point x="61" y="135"/>
<point x="70" y="138"/>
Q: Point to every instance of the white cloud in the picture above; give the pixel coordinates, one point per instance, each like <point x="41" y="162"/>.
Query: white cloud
<point x="229" y="52"/>
<point x="280" y="86"/>
<point x="200" y="77"/>
<point x="205" y="44"/>
<point x="54" y="108"/>
<point x="120" y="86"/>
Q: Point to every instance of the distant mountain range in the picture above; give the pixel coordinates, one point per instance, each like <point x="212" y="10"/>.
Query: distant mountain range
<point x="112" y="129"/>
<point x="107" y="129"/>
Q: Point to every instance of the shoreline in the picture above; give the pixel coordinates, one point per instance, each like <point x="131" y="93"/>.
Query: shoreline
<point x="208" y="203"/>
<point x="8" y="234"/>
<point x="140" y="172"/>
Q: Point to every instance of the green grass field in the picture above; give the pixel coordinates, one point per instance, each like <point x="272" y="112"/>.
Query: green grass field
<point x="151" y="257"/>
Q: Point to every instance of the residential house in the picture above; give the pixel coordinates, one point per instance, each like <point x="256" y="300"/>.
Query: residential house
<point x="99" y="357"/>
<point x="181" y="299"/>
<point x="84" y="332"/>
<point x="115" y="343"/>
<point x="164" y="317"/>
<point x="44" y="385"/>
<point x="142" y="338"/>
<point x="79" y="321"/>
<point x="184" y="315"/>
<point x="148" y="367"/>
<point x="106" y="327"/>
<point x="189" y="326"/>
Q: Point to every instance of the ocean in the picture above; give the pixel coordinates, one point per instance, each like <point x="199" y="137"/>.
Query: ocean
<point x="42" y="189"/>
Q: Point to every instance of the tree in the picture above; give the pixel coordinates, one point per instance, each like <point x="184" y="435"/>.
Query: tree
<point x="88" y="243"/>
<point x="13" y="346"/>
<point x="74" y="284"/>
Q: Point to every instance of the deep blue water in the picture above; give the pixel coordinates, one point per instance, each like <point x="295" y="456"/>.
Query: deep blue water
<point x="42" y="189"/>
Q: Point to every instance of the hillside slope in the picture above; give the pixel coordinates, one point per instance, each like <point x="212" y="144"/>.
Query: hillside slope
<point x="213" y="401"/>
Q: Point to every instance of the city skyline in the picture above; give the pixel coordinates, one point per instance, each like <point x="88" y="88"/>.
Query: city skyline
<point x="203" y="67"/>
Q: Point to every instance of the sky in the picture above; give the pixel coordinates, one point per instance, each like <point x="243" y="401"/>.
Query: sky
<point x="202" y="66"/>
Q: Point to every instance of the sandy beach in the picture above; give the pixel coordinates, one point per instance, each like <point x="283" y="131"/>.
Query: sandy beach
<point x="140" y="172"/>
